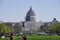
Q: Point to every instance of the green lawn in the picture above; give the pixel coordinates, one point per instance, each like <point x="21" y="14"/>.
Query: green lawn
<point x="36" y="38"/>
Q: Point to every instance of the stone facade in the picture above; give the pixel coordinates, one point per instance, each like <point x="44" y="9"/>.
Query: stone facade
<point x="32" y="26"/>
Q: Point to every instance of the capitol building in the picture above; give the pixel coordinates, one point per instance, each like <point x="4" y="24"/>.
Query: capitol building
<point x="30" y="23"/>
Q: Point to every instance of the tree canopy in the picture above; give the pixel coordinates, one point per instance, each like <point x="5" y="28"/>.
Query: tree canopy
<point x="55" y="28"/>
<point x="5" y="29"/>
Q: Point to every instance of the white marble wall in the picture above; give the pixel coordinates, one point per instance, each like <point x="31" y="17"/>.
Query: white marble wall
<point x="32" y="26"/>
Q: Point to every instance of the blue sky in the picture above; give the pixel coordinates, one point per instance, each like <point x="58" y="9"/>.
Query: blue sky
<point x="16" y="10"/>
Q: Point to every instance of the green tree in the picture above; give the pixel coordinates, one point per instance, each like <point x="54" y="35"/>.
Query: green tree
<point x="5" y="29"/>
<point x="55" y="28"/>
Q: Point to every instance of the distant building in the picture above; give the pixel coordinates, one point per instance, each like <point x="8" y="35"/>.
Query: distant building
<point x="30" y="23"/>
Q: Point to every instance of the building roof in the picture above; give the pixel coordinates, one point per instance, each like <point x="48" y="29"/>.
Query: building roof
<point x="30" y="15"/>
<point x="54" y="20"/>
<point x="31" y="12"/>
